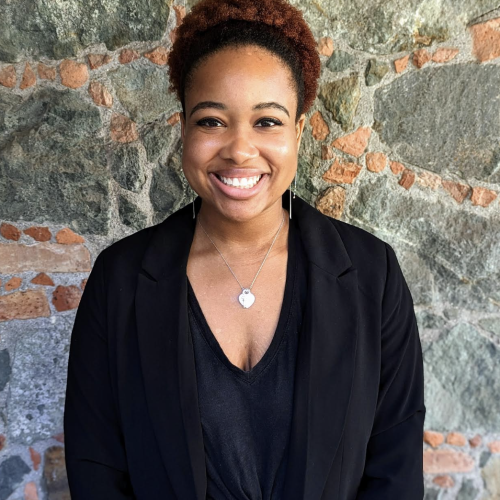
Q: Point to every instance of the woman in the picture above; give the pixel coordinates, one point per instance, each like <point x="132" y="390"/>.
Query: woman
<point x="247" y="347"/>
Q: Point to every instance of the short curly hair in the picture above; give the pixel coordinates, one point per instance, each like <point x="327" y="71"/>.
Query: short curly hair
<point x="275" y="25"/>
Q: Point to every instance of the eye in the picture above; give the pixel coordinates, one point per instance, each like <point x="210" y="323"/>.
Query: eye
<point x="271" y="120"/>
<point x="204" y="121"/>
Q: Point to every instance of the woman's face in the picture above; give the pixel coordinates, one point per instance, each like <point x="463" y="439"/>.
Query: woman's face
<point x="239" y="124"/>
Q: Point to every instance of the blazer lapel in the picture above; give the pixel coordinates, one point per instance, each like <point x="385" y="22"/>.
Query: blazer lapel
<point x="167" y="355"/>
<point x="325" y="361"/>
<point x="326" y="356"/>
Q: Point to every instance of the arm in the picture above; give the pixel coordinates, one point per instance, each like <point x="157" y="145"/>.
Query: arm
<point x="394" y="460"/>
<point x="95" y="456"/>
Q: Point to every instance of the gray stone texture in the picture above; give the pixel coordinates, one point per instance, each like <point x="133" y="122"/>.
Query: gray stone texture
<point x="491" y="477"/>
<point x="467" y="491"/>
<point x="51" y="148"/>
<point x="12" y="472"/>
<point x="30" y="28"/>
<point x="169" y="188"/>
<point x="462" y="138"/>
<point x="126" y="167"/>
<point x="131" y="215"/>
<point x="341" y="98"/>
<point x="38" y="380"/>
<point x="391" y="26"/>
<point x="5" y="368"/>
<point x="340" y="61"/>
<point x="375" y="71"/>
<point x="462" y="372"/>
<point x="142" y="88"/>
<point x="451" y="258"/>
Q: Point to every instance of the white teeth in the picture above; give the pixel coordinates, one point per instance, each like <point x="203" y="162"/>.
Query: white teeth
<point x="241" y="182"/>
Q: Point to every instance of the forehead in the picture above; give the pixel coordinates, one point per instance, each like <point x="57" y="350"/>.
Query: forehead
<point x="242" y="73"/>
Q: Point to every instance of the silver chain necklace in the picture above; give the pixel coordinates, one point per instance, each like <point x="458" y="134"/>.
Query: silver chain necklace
<point x="246" y="298"/>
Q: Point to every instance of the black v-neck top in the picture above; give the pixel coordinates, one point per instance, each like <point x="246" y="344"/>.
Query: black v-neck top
<point x="246" y="415"/>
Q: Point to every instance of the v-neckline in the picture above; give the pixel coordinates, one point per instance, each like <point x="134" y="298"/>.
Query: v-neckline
<point x="283" y="320"/>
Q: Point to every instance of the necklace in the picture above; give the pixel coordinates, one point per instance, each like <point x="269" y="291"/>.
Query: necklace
<point x="246" y="298"/>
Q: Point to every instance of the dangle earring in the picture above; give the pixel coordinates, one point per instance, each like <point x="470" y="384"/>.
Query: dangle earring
<point x="290" y="190"/>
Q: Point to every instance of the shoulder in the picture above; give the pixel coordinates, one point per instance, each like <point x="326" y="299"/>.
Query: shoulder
<point x="123" y="257"/>
<point x="368" y="254"/>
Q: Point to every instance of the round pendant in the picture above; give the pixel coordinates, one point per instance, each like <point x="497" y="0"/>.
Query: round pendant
<point x="246" y="298"/>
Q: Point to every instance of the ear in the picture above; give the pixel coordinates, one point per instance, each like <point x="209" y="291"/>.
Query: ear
<point x="299" y="129"/>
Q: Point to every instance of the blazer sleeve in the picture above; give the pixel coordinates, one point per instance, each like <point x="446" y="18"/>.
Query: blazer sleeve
<point x="394" y="460"/>
<point x="96" y="463"/>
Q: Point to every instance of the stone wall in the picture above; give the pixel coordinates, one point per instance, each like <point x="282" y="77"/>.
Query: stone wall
<point x="403" y="140"/>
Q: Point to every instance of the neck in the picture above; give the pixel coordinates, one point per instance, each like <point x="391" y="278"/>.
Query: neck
<point x="251" y="235"/>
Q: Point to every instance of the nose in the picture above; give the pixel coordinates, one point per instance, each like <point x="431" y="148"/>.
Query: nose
<point x="238" y="147"/>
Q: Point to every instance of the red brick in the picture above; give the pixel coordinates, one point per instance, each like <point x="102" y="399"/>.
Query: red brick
<point x="457" y="190"/>
<point x="8" y="76"/>
<point x="342" y="172"/>
<point x="73" y="74"/>
<point x="14" y="283"/>
<point x="331" y="202"/>
<point x="429" y="179"/>
<point x="376" y="162"/>
<point x="421" y="57"/>
<point x="158" y="55"/>
<point x="42" y="279"/>
<point x="444" y="481"/>
<point x="98" y="60"/>
<point x="28" y="79"/>
<point x="407" y="179"/>
<point x="354" y="143"/>
<point x="327" y="152"/>
<point x="401" y="63"/>
<point x="24" y="305"/>
<point x="174" y="119"/>
<point x="38" y="233"/>
<point x="128" y="55"/>
<point x="59" y="437"/>
<point x="65" y="298"/>
<point x="320" y="128"/>
<point x="100" y="94"/>
<point x="45" y="257"/>
<point x="9" y="232"/>
<point x="396" y="167"/>
<point x="443" y="55"/>
<point x="46" y="72"/>
<point x="494" y="446"/>
<point x="433" y="438"/>
<point x="447" y="461"/>
<point x="486" y="40"/>
<point x="482" y="196"/>
<point x="35" y="458"/>
<point x="325" y="46"/>
<point x="30" y="492"/>
<point x="83" y="283"/>
<point x="123" y="129"/>
<point x="475" y="441"/>
<point x="68" y="237"/>
<point x="456" y="439"/>
<point x="2" y="441"/>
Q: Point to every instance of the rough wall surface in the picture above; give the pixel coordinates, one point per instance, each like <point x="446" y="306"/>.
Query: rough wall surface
<point x="402" y="140"/>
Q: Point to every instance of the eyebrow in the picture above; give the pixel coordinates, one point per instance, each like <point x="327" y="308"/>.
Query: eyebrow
<point x="219" y="105"/>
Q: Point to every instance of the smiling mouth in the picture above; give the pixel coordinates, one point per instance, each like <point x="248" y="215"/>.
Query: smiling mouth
<point x="240" y="182"/>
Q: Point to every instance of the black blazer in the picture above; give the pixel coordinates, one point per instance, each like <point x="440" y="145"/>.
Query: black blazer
<point x="131" y="422"/>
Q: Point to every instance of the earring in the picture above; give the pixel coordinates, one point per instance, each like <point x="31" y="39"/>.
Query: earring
<point x="290" y="190"/>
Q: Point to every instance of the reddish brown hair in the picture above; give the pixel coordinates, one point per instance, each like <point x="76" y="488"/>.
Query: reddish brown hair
<point x="273" y="24"/>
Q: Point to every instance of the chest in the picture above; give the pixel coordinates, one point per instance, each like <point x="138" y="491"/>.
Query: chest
<point x="244" y="334"/>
